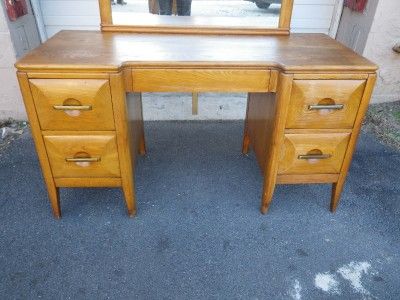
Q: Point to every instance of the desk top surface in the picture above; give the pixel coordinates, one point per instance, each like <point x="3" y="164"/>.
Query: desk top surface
<point x="110" y="51"/>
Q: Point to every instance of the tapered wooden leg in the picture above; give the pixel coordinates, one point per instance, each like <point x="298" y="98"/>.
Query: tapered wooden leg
<point x="275" y="115"/>
<point x="195" y="104"/>
<point x="268" y="192"/>
<point x="54" y="196"/>
<point x="142" y="142"/>
<point x="246" y="137"/>
<point x="53" y="193"/>
<point x="128" y="189"/>
<point x="52" y="190"/>
<point x="246" y="144"/>
<point x="337" y="189"/>
<point x="128" y="127"/>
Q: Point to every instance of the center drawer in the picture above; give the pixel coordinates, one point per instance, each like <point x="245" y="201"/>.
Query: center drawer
<point x="79" y="155"/>
<point x="324" y="103"/>
<point x="73" y="104"/>
<point x="200" y="80"/>
<point x="313" y="153"/>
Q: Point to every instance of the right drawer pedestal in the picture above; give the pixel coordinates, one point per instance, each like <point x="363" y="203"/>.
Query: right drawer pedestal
<point x="307" y="131"/>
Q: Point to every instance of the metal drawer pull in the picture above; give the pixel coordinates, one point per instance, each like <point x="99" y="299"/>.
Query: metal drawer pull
<point x="328" y="106"/>
<point x="315" y="156"/>
<point x="83" y="159"/>
<point x="72" y="107"/>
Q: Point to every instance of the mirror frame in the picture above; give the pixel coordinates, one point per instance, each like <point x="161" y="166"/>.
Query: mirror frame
<point x="282" y="29"/>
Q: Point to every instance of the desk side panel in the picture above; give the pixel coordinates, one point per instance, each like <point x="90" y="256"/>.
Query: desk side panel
<point x="52" y="190"/>
<point x="124" y="140"/>
<point x="259" y="123"/>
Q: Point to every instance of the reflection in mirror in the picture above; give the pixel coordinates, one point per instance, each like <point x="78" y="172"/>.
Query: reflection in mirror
<point x="229" y="13"/>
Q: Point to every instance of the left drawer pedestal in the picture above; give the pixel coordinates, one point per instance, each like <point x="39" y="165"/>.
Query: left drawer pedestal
<point x="75" y="133"/>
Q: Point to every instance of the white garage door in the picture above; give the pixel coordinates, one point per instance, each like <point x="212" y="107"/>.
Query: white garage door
<point x="308" y="15"/>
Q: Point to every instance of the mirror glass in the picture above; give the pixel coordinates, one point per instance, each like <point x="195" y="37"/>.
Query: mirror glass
<point x="212" y="13"/>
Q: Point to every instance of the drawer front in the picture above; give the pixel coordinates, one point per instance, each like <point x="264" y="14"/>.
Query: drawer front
<point x="157" y="80"/>
<point x="73" y="104"/>
<point x="83" y="155"/>
<point x="324" y="103"/>
<point x="313" y="153"/>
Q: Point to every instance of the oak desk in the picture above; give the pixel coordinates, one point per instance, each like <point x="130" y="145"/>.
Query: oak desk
<point x="307" y="98"/>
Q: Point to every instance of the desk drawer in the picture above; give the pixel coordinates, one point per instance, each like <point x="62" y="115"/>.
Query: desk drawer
<point x="73" y="104"/>
<point x="194" y="80"/>
<point x="324" y="103"/>
<point x="313" y="153"/>
<point x="82" y="154"/>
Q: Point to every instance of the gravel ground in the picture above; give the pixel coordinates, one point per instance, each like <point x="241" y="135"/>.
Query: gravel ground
<point x="9" y="131"/>
<point x="383" y="120"/>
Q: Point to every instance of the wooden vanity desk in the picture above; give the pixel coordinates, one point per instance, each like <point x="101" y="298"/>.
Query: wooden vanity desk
<point x="307" y="97"/>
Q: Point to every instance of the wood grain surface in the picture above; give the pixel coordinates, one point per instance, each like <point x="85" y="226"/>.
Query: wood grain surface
<point x="189" y="80"/>
<point x="319" y="92"/>
<point x="83" y="51"/>
<point x="63" y="145"/>
<point x="334" y="144"/>
<point x="95" y="93"/>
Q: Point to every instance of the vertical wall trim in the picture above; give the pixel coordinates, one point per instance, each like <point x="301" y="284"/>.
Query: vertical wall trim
<point x="37" y="12"/>
<point x="337" y="15"/>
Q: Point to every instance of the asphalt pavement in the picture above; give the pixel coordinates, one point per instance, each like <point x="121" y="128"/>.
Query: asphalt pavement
<point x="198" y="233"/>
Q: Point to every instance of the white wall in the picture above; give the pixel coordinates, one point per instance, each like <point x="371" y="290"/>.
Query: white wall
<point x="384" y="34"/>
<point x="70" y="14"/>
<point x="313" y="15"/>
<point x="354" y="27"/>
<point x="373" y="34"/>
<point x="11" y="105"/>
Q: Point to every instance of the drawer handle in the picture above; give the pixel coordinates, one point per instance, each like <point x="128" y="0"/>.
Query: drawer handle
<point x="315" y="156"/>
<point x="328" y="106"/>
<point x="83" y="159"/>
<point x="72" y="107"/>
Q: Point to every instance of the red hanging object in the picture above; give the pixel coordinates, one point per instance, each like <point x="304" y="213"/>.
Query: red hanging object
<point x="356" y="5"/>
<point x="16" y="9"/>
